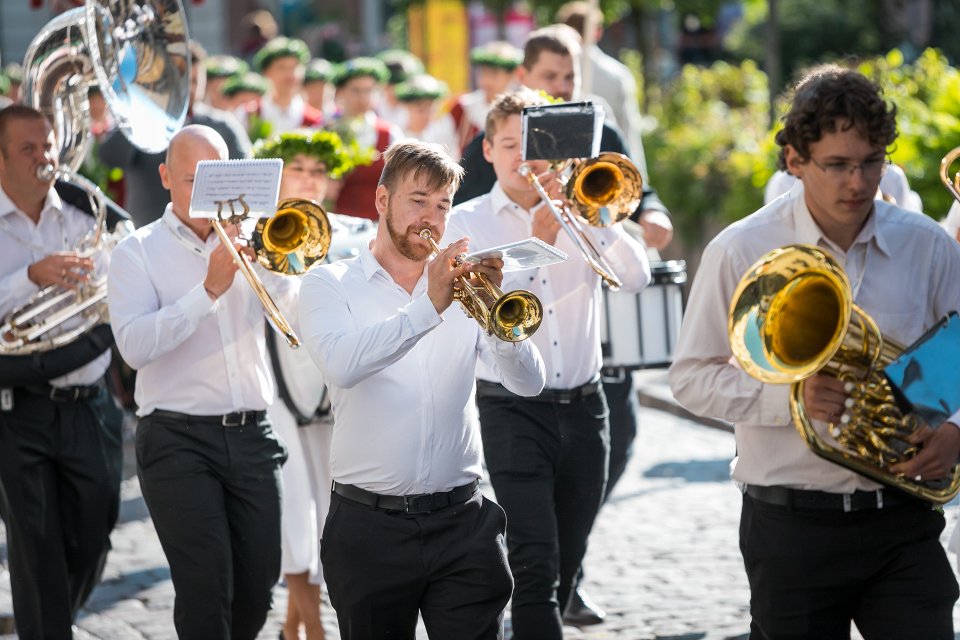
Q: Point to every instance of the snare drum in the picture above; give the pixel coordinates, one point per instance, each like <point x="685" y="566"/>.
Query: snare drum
<point x="639" y="330"/>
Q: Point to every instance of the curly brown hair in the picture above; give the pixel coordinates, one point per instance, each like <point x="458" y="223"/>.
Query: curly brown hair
<point x="830" y="99"/>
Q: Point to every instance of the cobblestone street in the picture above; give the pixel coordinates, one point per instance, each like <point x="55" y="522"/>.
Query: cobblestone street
<point x="663" y="560"/>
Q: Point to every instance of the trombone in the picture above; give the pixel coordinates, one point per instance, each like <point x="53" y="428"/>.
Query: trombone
<point x="605" y="190"/>
<point x="289" y="242"/>
<point x="513" y="317"/>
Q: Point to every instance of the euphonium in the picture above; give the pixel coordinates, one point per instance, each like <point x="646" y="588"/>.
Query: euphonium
<point x="791" y="317"/>
<point x="512" y="317"/>
<point x="124" y="50"/>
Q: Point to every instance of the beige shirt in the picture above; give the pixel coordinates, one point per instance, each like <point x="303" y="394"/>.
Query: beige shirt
<point x="904" y="273"/>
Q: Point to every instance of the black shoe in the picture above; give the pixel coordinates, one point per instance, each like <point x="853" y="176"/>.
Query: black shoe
<point x="581" y="611"/>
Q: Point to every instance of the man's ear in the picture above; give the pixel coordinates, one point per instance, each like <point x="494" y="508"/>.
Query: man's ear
<point x="382" y="199"/>
<point x="795" y="164"/>
<point x="487" y="149"/>
<point x="164" y="175"/>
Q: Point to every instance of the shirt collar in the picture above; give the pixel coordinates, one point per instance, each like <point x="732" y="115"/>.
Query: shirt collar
<point x="182" y="233"/>
<point x="500" y="202"/>
<point x="52" y="201"/>
<point x="369" y="263"/>
<point x="810" y="233"/>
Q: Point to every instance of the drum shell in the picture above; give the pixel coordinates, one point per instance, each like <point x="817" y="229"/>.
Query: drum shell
<point x="639" y="330"/>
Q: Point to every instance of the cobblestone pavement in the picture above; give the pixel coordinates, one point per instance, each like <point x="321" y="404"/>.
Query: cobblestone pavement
<point x="663" y="559"/>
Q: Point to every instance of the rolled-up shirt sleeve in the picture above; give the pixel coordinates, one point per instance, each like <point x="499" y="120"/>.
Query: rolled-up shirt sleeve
<point x="345" y="353"/>
<point x="143" y="329"/>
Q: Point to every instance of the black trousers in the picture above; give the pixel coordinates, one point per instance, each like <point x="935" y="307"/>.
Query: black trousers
<point x="60" y="467"/>
<point x="214" y="495"/>
<point x="811" y="572"/>
<point x="382" y="567"/>
<point x="622" y="399"/>
<point x="548" y="466"/>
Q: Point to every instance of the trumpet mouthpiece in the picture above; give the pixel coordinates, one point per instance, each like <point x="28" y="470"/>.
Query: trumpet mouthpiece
<point x="425" y="234"/>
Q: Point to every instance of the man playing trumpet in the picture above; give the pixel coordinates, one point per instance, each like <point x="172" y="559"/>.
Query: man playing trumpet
<point x="408" y="529"/>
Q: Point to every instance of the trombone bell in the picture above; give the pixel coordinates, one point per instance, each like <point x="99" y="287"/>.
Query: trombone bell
<point x="295" y="238"/>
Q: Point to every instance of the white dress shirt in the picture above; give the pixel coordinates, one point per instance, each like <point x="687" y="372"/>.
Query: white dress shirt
<point x="903" y="273"/>
<point x="283" y="119"/>
<point x="192" y="354"/>
<point x="60" y="228"/>
<point x="569" y="336"/>
<point x="400" y="377"/>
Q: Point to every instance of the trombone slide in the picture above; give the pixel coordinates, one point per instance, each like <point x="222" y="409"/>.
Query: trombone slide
<point x="274" y="316"/>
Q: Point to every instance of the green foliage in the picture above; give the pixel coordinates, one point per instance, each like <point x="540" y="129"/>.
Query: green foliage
<point x="814" y="32"/>
<point x="927" y="96"/>
<point x="712" y="150"/>
<point x="710" y="154"/>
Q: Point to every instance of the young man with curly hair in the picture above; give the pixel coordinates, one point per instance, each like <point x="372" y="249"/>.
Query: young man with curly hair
<point x="823" y="545"/>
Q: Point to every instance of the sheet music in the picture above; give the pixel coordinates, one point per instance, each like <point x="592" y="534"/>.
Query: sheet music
<point x="525" y="254"/>
<point x="257" y="182"/>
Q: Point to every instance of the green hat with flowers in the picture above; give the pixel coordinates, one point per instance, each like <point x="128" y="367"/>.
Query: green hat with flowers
<point x="421" y="87"/>
<point x="248" y="81"/>
<point x="325" y="146"/>
<point x="318" y="70"/>
<point x="223" y="66"/>
<point x="281" y="47"/>
<point x="401" y="64"/>
<point x="359" y="67"/>
<point x="499" y="54"/>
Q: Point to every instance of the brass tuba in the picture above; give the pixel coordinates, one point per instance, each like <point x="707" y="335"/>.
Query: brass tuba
<point x="513" y="316"/>
<point x="296" y="237"/>
<point x="605" y="190"/>
<point x="791" y="317"/>
<point x="126" y="49"/>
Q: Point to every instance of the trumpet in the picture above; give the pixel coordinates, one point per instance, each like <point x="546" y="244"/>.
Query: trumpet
<point x="289" y="242"/>
<point x="513" y="316"/>
<point x="953" y="186"/>
<point x="605" y="190"/>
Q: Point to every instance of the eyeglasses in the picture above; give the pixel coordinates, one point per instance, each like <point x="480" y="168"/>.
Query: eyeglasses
<point x="871" y="169"/>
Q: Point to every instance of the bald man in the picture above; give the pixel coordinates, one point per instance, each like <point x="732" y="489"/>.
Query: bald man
<point x="207" y="458"/>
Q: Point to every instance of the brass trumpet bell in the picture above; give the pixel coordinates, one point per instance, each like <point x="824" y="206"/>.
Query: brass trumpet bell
<point x="294" y="238"/>
<point x="791" y="317"/>
<point x="605" y="189"/>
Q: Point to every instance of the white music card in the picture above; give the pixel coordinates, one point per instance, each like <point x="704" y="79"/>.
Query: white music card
<point x="228" y="184"/>
<point x="525" y="254"/>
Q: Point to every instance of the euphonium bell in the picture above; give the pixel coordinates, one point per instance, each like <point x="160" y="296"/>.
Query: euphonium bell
<point x="512" y="317"/>
<point x="791" y="317"/>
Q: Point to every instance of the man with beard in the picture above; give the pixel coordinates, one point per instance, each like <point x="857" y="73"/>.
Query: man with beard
<point x="408" y="530"/>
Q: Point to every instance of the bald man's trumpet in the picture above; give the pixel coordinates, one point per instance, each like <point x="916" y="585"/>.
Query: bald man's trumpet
<point x="513" y="316"/>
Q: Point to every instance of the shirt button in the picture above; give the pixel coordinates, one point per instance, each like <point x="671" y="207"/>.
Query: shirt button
<point x="544" y="282"/>
<point x="555" y="343"/>
<point x="558" y="374"/>
<point x="550" y="311"/>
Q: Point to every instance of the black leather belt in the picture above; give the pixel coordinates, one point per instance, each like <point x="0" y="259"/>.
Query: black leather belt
<point x="65" y="394"/>
<point x="560" y="396"/>
<point x="420" y="503"/>
<point x="803" y="499"/>
<point x="235" y="419"/>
